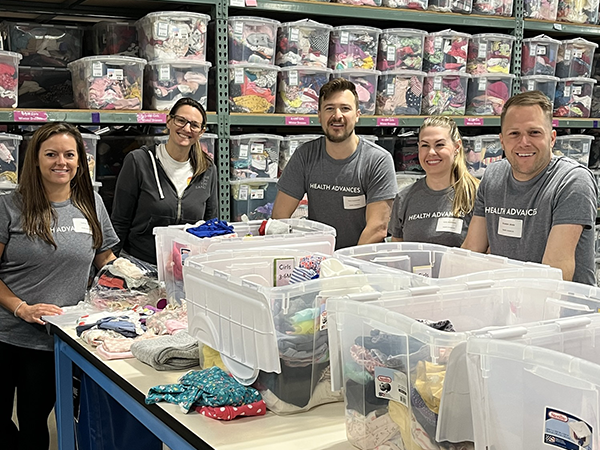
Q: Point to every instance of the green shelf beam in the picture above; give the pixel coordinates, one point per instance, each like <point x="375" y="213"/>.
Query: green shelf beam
<point x="312" y="8"/>
<point x="31" y="116"/>
<point x="560" y="27"/>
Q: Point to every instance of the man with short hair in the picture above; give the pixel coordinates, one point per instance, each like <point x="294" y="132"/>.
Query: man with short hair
<point x="533" y="206"/>
<point x="350" y="182"/>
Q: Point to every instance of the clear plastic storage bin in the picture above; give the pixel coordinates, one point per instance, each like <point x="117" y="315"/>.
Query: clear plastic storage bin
<point x="405" y="179"/>
<point x="254" y="156"/>
<point x="401" y="48"/>
<point x="253" y="198"/>
<point x="289" y="144"/>
<point x="575" y="11"/>
<point x="360" y="2"/>
<point x="490" y="53"/>
<point x="493" y="7"/>
<point x="400" y="92"/>
<point x="174" y="245"/>
<point x="353" y="47"/>
<point x="90" y="141"/>
<point x="575" y="58"/>
<point x="44" y="45"/>
<point x="543" y="83"/>
<point x="446" y="51"/>
<point x="173" y="34"/>
<point x="397" y="355"/>
<point x="539" y="56"/>
<point x="481" y="151"/>
<point x="488" y="93"/>
<point x="553" y="371"/>
<point x="244" y="97"/>
<point x="208" y="144"/>
<point x="252" y="39"/>
<point x="445" y="94"/>
<point x="574" y="146"/>
<point x="269" y="331"/>
<point x="169" y="80"/>
<point x="9" y="82"/>
<point x="303" y="43"/>
<point x="406" y="4"/>
<point x="45" y="87"/>
<point x="115" y="38"/>
<point x="456" y="6"/>
<point x="540" y="9"/>
<point x="366" y="87"/>
<point x="108" y="82"/>
<point x="9" y="159"/>
<point x="433" y="264"/>
<point x="404" y="150"/>
<point x="573" y="97"/>
<point x="299" y="87"/>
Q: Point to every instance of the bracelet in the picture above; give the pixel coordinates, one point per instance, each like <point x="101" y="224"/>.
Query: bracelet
<point x="17" y="308"/>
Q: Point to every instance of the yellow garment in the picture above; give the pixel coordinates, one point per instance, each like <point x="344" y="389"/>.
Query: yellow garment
<point x="9" y="176"/>
<point x="134" y="92"/>
<point x="429" y="383"/>
<point x="400" y="415"/>
<point x="212" y="358"/>
<point x="367" y="63"/>
<point x="306" y="327"/>
<point x="253" y="103"/>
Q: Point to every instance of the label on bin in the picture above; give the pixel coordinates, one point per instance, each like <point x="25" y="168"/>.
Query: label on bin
<point x="293" y="147"/>
<point x="243" y="194"/>
<point x="114" y="74"/>
<point x="530" y="85"/>
<point x="391" y="53"/>
<point x="283" y="268"/>
<point x="244" y="151"/>
<point x="344" y="37"/>
<point x="30" y="116"/>
<point x="567" y="56"/>
<point x="257" y="194"/>
<point x="424" y="271"/>
<point x="293" y="78"/>
<point x="477" y="146"/>
<point x="541" y="50"/>
<point x="532" y="48"/>
<point x="257" y="147"/>
<point x="567" y="91"/>
<point x="162" y="30"/>
<point x="238" y="77"/>
<point x="390" y="89"/>
<point x="576" y="90"/>
<point x="438" y="41"/>
<point x="577" y="53"/>
<point x="391" y="384"/>
<point x="437" y="83"/>
<point x="164" y="73"/>
<point x="179" y="33"/>
<point x="294" y="34"/>
<point x="564" y="430"/>
<point x="482" y="84"/>
<point x="97" y="69"/>
<point x="321" y="300"/>
<point x="482" y="50"/>
<point x="586" y="147"/>
<point x="238" y="28"/>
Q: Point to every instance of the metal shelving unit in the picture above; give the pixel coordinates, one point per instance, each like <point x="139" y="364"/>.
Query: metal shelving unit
<point x="561" y="27"/>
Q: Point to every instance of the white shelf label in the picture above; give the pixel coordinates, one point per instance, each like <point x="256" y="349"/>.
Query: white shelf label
<point x="257" y="148"/>
<point x="576" y="90"/>
<point x="344" y="37"/>
<point x="244" y="151"/>
<point x="164" y="73"/>
<point x="391" y="53"/>
<point x="437" y="83"/>
<point x="238" y="76"/>
<point x="162" y="30"/>
<point x="294" y="34"/>
<point x="482" y="50"/>
<point x="114" y="74"/>
<point x="541" y="50"/>
<point x="390" y="89"/>
<point x="97" y="69"/>
<point x="567" y="91"/>
<point x="293" y="78"/>
<point x="237" y="3"/>
<point x="257" y="194"/>
<point x="243" y="192"/>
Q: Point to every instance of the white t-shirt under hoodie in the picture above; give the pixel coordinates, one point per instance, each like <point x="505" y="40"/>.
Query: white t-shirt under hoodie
<point x="180" y="173"/>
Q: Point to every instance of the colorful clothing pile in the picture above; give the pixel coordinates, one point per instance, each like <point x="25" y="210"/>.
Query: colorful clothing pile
<point x="254" y="156"/>
<point x="493" y="7"/>
<point x="8" y="85"/>
<point x="540" y="9"/>
<point x="575" y="58"/>
<point x="115" y="38"/>
<point x="303" y="43"/>
<point x="487" y="94"/>
<point x="539" y="56"/>
<point x="456" y="6"/>
<point x="573" y="97"/>
<point x="298" y="90"/>
<point x="251" y="40"/>
<point x="353" y="47"/>
<point x="252" y="88"/>
<point x="406" y="4"/>
<point x="169" y="81"/>
<point x="401" y="49"/>
<point x="44" y="87"/>
<point x="366" y="87"/>
<point x="490" y="54"/>
<point x="360" y="2"/>
<point x="445" y="94"/>
<point x="400" y="93"/>
<point x="9" y="150"/>
<point x="578" y="11"/>
<point x="445" y="51"/>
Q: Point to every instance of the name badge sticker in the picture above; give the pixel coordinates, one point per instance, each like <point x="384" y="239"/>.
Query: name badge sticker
<point x="510" y="227"/>
<point x="449" y="225"/>
<point x="81" y="226"/>
<point x="355" y="202"/>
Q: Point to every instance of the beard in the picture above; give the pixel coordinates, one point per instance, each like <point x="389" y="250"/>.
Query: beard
<point x="337" y="138"/>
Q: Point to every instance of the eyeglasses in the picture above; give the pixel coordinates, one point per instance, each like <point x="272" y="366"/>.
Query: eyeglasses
<point x="472" y="149"/>
<point x="181" y="122"/>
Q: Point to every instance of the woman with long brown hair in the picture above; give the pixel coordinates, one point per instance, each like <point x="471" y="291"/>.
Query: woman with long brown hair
<point x="52" y="228"/>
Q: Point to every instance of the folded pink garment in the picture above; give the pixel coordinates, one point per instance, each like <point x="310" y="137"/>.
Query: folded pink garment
<point x="113" y="355"/>
<point x="231" y="412"/>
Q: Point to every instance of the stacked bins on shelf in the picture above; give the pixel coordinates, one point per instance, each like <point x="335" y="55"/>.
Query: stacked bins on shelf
<point x="393" y="354"/>
<point x="174" y="245"/>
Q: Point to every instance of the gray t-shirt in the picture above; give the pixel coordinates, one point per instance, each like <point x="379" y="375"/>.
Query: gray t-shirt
<point x="37" y="273"/>
<point x="421" y="214"/>
<point x="520" y="214"/>
<point x="340" y="189"/>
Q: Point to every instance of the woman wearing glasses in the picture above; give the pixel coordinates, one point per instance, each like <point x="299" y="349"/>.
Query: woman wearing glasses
<point x="166" y="184"/>
<point x="438" y="208"/>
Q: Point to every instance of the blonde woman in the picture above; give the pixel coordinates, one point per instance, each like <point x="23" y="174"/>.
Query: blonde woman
<point x="438" y="208"/>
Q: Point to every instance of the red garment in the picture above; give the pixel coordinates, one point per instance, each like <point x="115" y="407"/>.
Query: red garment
<point x="262" y="228"/>
<point x="7" y="69"/>
<point x="111" y="282"/>
<point x="231" y="412"/>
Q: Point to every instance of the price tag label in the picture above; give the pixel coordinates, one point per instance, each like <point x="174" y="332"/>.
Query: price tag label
<point x="293" y="78"/>
<point x="567" y="91"/>
<point x="162" y="30"/>
<point x="243" y="195"/>
<point x="437" y="83"/>
<point x="391" y="53"/>
<point x="97" y="69"/>
<point x="567" y="56"/>
<point x="238" y="77"/>
<point x="532" y="49"/>
<point x="244" y="151"/>
<point x="294" y="34"/>
<point x="151" y="118"/>
<point x="438" y="41"/>
<point x="30" y="116"/>
<point x="164" y="73"/>
<point x="482" y="84"/>
<point x="114" y="74"/>
<point x="257" y="148"/>
<point x="530" y="85"/>
<point x="482" y="50"/>
<point x="576" y="90"/>
<point x="344" y="37"/>
<point x="541" y="50"/>
<point x="390" y="89"/>
<point x="257" y="194"/>
<point x="297" y="120"/>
